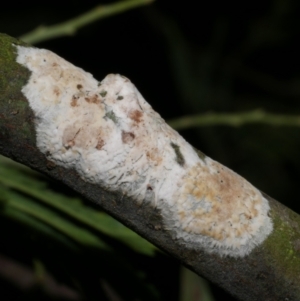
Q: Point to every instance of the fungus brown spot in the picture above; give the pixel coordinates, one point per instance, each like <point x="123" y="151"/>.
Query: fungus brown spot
<point x="136" y="115"/>
<point x="79" y="86"/>
<point x="154" y="156"/>
<point x="120" y="97"/>
<point x="100" y="143"/>
<point x="92" y="99"/>
<point x="74" y="102"/>
<point x="56" y="91"/>
<point x="127" y="137"/>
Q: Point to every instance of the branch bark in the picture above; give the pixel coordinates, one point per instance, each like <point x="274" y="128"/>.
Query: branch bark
<point x="271" y="271"/>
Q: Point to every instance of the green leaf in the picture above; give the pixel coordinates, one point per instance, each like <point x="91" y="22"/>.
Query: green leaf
<point x="53" y="219"/>
<point x="26" y="182"/>
<point x="37" y="225"/>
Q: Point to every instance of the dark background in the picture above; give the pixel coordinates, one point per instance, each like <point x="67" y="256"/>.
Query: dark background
<point x="189" y="57"/>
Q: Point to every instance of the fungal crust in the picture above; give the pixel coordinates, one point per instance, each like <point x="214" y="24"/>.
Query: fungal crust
<point x="112" y="137"/>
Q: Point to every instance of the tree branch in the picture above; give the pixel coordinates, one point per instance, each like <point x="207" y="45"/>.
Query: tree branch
<point x="70" y="27"/>
<point x="234" y="119"/>
<point x="104" y="141"/>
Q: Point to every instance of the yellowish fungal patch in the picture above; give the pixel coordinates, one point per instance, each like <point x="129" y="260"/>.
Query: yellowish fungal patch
<point x="215" y="202"/>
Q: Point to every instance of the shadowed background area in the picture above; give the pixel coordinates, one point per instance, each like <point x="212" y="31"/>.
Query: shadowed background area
<point x="186" y="58"/>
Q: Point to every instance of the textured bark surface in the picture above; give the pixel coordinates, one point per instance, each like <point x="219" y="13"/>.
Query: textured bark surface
<point x="270" y="272"/>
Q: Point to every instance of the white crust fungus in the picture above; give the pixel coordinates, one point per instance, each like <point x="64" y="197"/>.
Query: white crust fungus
<point x="111" y="136"/>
